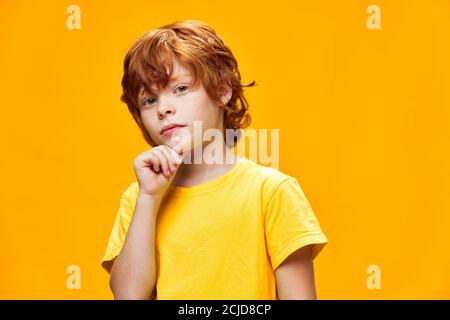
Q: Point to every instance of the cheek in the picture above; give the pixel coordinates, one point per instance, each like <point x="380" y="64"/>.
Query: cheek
<point x="149" y="122"/>
<point x="200" y="108"/>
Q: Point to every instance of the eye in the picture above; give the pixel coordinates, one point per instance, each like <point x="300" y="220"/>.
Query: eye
<point x="147" y="100"/>
<point x="151" y="100"/>
<point x="182" y="86"/>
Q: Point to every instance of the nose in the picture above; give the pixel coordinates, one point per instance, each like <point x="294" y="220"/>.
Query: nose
<point x="165" y="109"/>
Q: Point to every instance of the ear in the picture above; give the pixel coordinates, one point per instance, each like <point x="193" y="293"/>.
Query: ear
<point x="225" y="93"/>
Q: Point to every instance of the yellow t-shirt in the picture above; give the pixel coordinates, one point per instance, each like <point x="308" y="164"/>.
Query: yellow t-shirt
<point x="224" y="238"/>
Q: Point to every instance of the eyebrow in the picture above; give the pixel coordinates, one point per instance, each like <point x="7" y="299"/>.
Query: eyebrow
<point x="172" y="79"/>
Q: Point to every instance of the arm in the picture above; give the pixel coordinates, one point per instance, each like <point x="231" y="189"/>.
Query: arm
<point x="295" y="276"/>
<point x="133" y="271"/>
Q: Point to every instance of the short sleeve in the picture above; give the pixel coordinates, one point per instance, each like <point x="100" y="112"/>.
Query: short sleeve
<point x="290" y="223"/>
<point x="121" y="223"/>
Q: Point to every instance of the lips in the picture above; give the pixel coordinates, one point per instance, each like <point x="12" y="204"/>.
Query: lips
<point x="171" y="126"/>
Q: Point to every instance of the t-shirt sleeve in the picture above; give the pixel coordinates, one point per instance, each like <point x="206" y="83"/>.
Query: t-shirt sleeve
<point x="290" y="223"/>
<point x="121" y="223"/>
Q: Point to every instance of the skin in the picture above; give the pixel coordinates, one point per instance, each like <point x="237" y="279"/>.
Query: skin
<point x="161" y="166"/>
<point x="180" y="103"/>
<point x="295" y="276"/>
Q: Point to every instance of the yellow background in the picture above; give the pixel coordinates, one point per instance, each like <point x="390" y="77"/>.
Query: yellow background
<point x="363" y="118"/>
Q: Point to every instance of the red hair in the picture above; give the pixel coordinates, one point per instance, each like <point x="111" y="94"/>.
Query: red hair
<point x="197" y="47"/>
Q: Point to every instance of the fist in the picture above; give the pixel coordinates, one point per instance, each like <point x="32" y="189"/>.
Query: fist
<point x="156" y="168"/>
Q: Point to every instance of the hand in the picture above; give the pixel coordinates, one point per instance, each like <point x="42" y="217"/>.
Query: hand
<point x="156" y="168"/>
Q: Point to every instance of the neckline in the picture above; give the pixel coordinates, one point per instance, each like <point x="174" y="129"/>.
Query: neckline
<point x="211" y="185"/>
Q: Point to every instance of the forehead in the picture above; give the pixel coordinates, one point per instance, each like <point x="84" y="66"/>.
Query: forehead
<point x="178" y="73"/>
<point x="179" y="70"/>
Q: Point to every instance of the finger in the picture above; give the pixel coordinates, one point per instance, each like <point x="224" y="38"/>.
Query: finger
<point x="178" y="158"/>
<point x="179" y="148"/>
<point x="171" y="160"/>
<point x="153" y="160"/>
<point x="163" y="161"/>
<point x="182" y="143"/>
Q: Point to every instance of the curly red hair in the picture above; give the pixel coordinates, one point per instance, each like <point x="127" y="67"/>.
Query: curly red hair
<point x="196" y="46"/>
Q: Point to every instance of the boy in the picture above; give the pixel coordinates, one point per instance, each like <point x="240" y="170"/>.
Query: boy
<point x="232" y="229"/>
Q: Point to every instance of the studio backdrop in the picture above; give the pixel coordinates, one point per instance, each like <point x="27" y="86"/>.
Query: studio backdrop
<point x="357" y="91"/>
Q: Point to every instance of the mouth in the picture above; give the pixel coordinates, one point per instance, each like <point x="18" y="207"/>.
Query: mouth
<point x="168" y="130"/>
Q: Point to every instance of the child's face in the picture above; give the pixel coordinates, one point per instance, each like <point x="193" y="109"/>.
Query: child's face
<point x="180" y="103"/>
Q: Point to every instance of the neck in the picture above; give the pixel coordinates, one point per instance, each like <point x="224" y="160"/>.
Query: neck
<point x="191" y="174"/>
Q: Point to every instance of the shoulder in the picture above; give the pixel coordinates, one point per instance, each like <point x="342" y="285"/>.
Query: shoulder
<point x="266" y="179"/>
<point x="132" y="190"/>
<point x="130" y="194"/>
